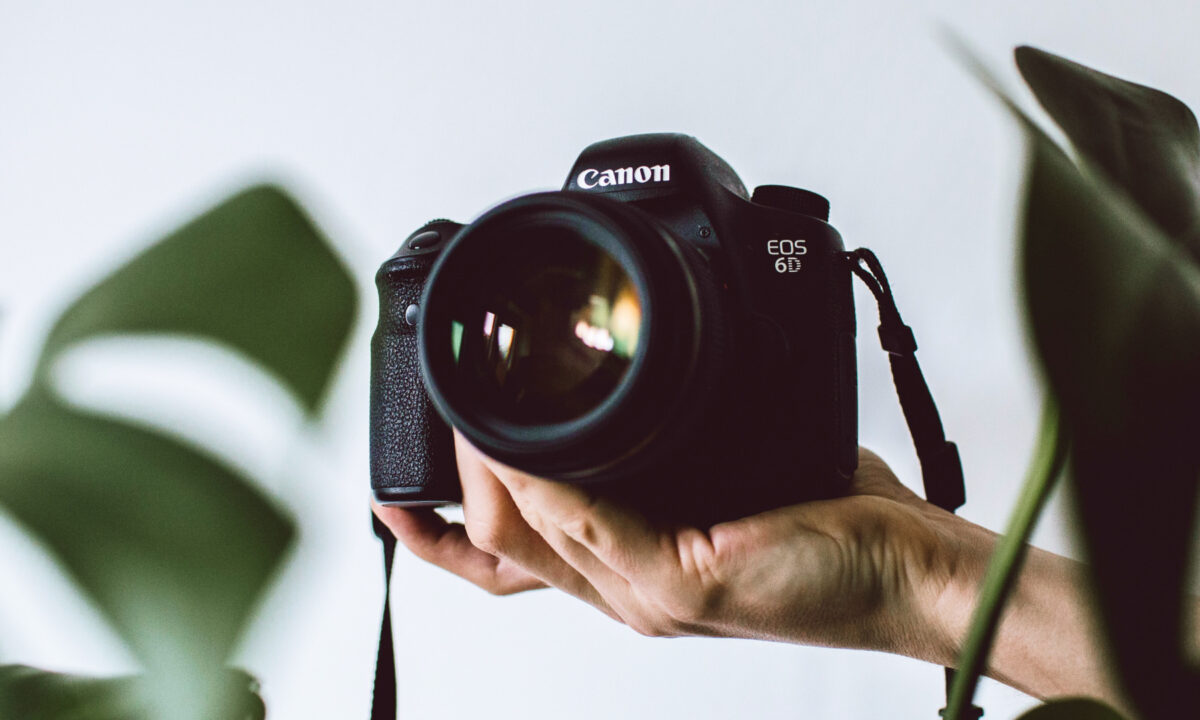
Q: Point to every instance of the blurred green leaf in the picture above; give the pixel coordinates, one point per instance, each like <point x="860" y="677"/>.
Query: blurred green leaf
<point x="172" y="546"/>
<point x="1146" y="141"/>
<point x="30" y="694"/>
<point x="252" y="273"/>
<point x="1072" y="709"/>
<point x="1114" y="309"/>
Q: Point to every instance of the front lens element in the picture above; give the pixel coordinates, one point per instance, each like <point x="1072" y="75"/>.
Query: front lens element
<point x="549" y="329"/>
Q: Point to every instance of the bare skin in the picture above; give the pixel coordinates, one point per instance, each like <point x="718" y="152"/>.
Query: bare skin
<point x="879" y="569"/>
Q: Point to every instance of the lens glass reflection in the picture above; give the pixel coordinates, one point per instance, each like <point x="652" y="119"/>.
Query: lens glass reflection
<point x="548" y="330"/>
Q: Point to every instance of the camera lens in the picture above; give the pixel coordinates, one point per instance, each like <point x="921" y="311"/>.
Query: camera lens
<point x="561" y="334"/>
<point x="548" y="329"/>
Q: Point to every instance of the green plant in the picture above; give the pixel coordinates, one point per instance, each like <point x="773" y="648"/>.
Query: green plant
<point x="1110" y="263"/>
<point x="172" y="545"/>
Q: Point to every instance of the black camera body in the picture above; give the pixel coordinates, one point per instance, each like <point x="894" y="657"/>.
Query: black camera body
<point x="651" y="331"/>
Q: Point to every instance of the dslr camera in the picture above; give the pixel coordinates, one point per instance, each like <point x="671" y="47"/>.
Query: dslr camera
<point x="652" y="331"/>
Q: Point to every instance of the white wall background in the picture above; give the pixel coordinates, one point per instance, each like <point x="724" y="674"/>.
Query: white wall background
<point x="119" y="119"/>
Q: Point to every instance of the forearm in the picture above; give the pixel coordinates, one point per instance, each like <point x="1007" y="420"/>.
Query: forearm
<point x="1049" y="642"/>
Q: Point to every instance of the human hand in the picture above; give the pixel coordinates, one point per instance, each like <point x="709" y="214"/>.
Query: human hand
<point x="879" y="569"/>
<point x="866" y="570"/>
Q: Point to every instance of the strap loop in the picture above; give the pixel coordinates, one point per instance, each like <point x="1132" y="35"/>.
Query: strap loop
<point x="941" y="468"/>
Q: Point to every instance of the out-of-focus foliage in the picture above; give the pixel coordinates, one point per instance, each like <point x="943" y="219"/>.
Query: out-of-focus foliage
<point x="32" y="694"/>
<point x="1143" y="140"/>
<point x="1110" y="265"/>
<point x="170" y="543"/>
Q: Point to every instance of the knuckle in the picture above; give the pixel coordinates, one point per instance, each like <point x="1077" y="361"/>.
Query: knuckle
<point x="580" y="528"/>
<point x="580" y="524"/>
<point x="486" y="535"/>
<point x="686" y="610"/>
<point x="502" y="589"/>
<point x="651" y="623"/>
<point x="646" y="628"/>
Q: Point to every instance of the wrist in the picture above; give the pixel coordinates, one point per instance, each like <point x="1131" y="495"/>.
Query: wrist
<point x="1046" y="644"/>
<point x="947" y="593"/>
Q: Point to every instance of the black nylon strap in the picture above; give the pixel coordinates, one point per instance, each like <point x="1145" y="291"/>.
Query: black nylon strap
<point x="941" y="468"/>
<point x="383" y="701"/>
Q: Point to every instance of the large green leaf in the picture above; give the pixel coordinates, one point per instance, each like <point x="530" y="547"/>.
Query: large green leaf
<point x="173" y="546"/>
<point x="1114" y="308"/>
<point x="252" y="273"/>
<point x="1146" y="141"/>
<point x="30" y="694"/>
<point x="1072" y="709"/>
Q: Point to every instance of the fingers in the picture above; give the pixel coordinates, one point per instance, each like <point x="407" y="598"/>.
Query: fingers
<point x="615" y="539"/>
<point x="496" y="526"/>
<point x="496" y="549"/>
<point x="445" y="544"/>
<point x="604" y="579"/>
<point x="642" y="572"/>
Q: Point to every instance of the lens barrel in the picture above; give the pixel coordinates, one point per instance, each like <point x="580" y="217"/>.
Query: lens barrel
<point x="562" y="334"/>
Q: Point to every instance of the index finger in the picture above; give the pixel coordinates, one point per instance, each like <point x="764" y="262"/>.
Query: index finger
<point x="621" y="539"/>
<point x="445" y="544"/>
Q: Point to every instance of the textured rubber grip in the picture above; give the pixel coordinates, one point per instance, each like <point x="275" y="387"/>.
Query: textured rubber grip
<point x="412" y="449"/>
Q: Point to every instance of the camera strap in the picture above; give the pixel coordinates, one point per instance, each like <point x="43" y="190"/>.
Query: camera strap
<point x="941" y="468"/>
<point x="383" y="698"/>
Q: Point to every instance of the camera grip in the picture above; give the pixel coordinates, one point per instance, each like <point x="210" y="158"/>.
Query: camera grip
<point x="412" y="448"/>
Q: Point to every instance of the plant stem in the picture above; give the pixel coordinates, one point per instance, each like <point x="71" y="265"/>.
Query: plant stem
<point x="1048" y="459"/>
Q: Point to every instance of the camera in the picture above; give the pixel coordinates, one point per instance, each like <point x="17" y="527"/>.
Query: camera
<point x="652" y="332"/>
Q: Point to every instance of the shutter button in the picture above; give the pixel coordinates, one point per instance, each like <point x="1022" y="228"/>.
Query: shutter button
<point x="425" y="240"/>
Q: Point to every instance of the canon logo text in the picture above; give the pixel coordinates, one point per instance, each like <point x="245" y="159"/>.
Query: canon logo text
<point x="641" y="175"/>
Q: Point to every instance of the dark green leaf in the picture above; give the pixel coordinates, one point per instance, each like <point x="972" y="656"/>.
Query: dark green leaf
<point x="1146" y="141"/>
<point x="1113" y="305"/>
<point x="1114" y="308"/>
<point x="1072" y="709"/>
<point x="252" y="273"/>
<point x="172" y="546"/>
<point x="30" y="694"/>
